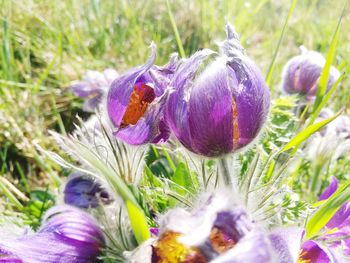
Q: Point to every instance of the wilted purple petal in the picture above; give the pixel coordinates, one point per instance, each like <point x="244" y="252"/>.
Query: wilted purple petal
<point x="84" y="192"/>
<point x="67" y="235"/>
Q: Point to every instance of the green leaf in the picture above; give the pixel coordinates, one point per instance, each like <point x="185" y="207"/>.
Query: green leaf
<point x="182" y="178"/>
<point x="272" y="64"/>
<point x="325" y="99"/>
<point x="322" y="87"/>
<point x="327" y="210"/>
<point x="138" y="222"/>
<point x="306" y="133"/>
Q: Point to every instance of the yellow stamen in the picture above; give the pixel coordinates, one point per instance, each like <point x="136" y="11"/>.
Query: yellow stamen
<point x="169" y="250"/>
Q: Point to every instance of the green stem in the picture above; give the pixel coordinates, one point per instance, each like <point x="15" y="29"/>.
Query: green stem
<point x="225" y="172"/>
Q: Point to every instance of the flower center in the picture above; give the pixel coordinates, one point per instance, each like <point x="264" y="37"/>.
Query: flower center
<point x="302" y="257"/>
<point x="140" y="98"/>
<point x="169" y="250"/>
<point x="220" y="241"/>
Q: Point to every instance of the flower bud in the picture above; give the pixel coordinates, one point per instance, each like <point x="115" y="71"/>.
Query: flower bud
<point x="84" y="192"/>
<point x="221" y="107"/>
<point x="301" y="74"/>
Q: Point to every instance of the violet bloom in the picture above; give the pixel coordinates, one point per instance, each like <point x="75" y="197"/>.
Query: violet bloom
<point x="93" y="87"/>
<point x="218" y="108"/>
<point x="301" y="74"/>
<point x="135" y="102"/>
<point x="67" y="235"/>
<point x="219" y="231"/>
<point x="334" y="234"/>
<point x="84" y="192"/>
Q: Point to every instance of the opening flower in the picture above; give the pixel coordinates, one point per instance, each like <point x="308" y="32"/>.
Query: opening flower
<point x="335" y="234"/>
<point x="217" y="231"/>
<point x="135" y="102"/>
<point x="67" y="235"/>
<point x="93" y="87"/>
<point x="301" y="74"/>
<point x="221" y="107"/>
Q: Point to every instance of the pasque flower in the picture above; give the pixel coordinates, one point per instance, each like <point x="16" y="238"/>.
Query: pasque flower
<point x="67" y="235"/>
<point x="219" y="231"/>
<point x="84" y="192"/>
<point x="334" y="235"/>
<point x="135" y="102"/>
<point x="301" y="74"/>
<point x="93" y="87"/>
<point x="219" y="107"/>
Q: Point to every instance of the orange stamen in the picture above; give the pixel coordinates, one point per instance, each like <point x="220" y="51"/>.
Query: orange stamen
<point x="140" y="98"/>
<point x="235" y="123"/>
<point x="219" y="241"/>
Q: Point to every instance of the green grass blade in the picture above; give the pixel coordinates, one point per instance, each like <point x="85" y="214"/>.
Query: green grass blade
<point x="325" y="99"/>
<point x="322" y="87"/>
<point x="306" y="133"/>
<point x="272" y="64"/>
<point x="138" y="222"/>
<point x="176" y="32"/>
<point x="10" y="196"/>
<point x="327" y="210"/>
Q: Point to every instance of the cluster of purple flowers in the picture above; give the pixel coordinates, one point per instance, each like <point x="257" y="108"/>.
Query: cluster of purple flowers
<point x="212" y="110"/>
<point x="213" y="103"/>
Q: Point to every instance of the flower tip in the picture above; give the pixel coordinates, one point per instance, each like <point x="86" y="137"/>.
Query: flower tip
<point x="303" y="50"/>
<point x="231" y="32"/>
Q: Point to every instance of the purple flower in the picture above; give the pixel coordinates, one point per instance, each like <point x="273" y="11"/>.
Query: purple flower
<point x="334" y="234"/>
<point x="135" y="102"/>
<point x="341" y="219"/>
<point x="222" y="107"/>
<point x="313" y="251"/>
<point x="217" y="231"/>
<point x="301" y="73"/>
<point x="67" y="235"/>
<point x="84" y="192"/>
<point x="93" y="87"/>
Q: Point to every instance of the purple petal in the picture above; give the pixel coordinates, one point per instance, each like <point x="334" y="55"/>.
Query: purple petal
<point x="67" y="235"/>
<point x="121" y="89"/>
<point x="210" y="114"/>
<point x="252" y="248"/>
<point x="84" y="89"/>
<point x="332" y="187"/>
<point x="286" y="243"/>
<point x="252" y="99"/>
<point x="177" y="108"/>
<point x="315" y="252"/>
<point x="340" y="217"/>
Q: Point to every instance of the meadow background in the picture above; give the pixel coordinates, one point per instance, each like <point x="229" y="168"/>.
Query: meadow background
<point x="45" y="45"/>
